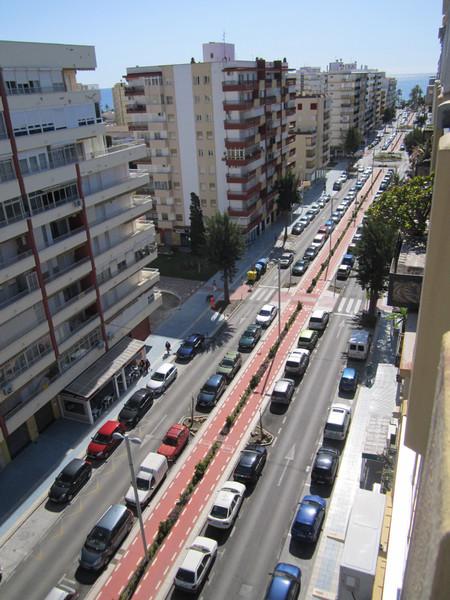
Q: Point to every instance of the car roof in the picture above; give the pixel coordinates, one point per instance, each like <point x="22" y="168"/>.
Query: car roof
<point x="111" y="516"/>
<point x="283" y="384"/>
<point x="73" y="466"/>
<point x="139" y="394"/>
<point x="175" y="429"/>
<point x="319" y="313"/>
<point x="349" y="373"/>
<point x="214" y="379"/>
<point x="232" y="354"/>
<point x="307" y="333"/>
<point x="196" y="552"/>
<point x="164" y="368"/>
<point x="109" y="427"/>
<point x="192" y="338"/>
<point x="268" y="307"/>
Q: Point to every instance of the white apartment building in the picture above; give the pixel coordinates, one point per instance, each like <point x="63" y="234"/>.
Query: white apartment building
<point x="75" y="292"/>
<point x="221" y="128"/>
<point x="312" y="149"/>
<point x="311" y="80"/>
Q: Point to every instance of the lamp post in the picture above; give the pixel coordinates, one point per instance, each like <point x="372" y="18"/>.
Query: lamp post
<point x="279" y="299"/>
<point x="134" y="440"/>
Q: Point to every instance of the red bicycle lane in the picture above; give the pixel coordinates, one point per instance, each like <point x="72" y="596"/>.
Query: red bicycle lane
<point x="171" y="547"/>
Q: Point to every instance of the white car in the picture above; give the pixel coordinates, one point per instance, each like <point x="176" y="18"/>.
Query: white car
<point x="226" y="506"/>
<point x="286" y="259"/>
<point x="195" y="566"/>
<point x="162" y="378"/>
<point x="266" y="315"/>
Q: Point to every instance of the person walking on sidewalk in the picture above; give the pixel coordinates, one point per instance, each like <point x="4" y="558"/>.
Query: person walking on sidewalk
<point x="168" y="348"/>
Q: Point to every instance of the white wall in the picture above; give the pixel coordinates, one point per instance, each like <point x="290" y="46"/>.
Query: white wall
<point x="219" y="135"/>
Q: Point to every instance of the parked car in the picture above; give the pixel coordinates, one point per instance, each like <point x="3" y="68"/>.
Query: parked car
<point x="174" y="442"/>
<point x="162" y="378"/>
<point x="151" y="473"/>
<point x="349" y="380"/>
<point x="310" y="253"/>
<point x="190" y="346"/>
<point x="297" y="228"/>
<point x="309" y="519"/>
<point x="230" y="365"/>
<point x="286" y="259"/>
<point x="261" y="265"/>
<point x="349" y="259"/>
<point x="282" y="391"/>
<point x="297" y="362"/>
<point x="250" y="464"/>
<point x="338" y="422"/>
<point x="300" y="267"/>
<point x="266" y="315"/>
<point x="285" y="583"/>
<point x="330" y="225"/>
<point x="105" y="537"/>
<point x="319" y="320"/>
<point x="226" y="505"/>
<point x="211" y="391"/>
<point x="343" y="272"/>
<point x="136" y="407"/>
<point x="196" y="564"/>
<point x="70" y="480"/>
<point x="250" y="337"/>
<point x="305" y="220"/>
<point x="337" y="185"/>
<point x="103" y="442"/>
<point x="325" y="465"/>
<point x="308" y="339"/>
<point x="62" y="592"/>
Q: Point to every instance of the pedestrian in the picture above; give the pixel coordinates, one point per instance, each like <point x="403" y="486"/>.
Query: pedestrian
<point x="147" y="366"/>
<point x="168" y="348"/>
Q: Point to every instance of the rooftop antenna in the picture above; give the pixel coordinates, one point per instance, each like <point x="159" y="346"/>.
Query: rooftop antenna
<point x="224" y="58"/>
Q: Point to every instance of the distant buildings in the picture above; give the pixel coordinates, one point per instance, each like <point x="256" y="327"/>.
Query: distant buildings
<point x="75" y="292"/>
<point x="221" y="128"/>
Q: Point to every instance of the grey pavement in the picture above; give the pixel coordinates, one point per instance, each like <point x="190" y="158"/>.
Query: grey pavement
<point x="28" y="477"/>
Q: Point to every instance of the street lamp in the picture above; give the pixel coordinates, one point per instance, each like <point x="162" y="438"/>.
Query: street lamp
<point x="134" y="440"/>
<point x="279" y="299"/>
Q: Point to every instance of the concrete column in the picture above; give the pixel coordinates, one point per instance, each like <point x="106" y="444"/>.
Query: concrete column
<point x="5" y="456"/>
<point x="32" y="429"/>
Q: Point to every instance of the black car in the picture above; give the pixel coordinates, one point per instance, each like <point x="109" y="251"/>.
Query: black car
<point x="325" y="465"/>
<point x="250" y="337"/>
<point x="299" y="267"/>
<point x="251" y="463"/>
<point x="310" y="253"/>
<point x="71" y="479"/>
<point x="190" y="346"/>
<point x="298" y="228"/>
<point x="136" y="407"/>
<point x="211" y="391"/>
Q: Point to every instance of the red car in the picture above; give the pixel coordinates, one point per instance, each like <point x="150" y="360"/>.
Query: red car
<point x="174" y="441"/>
<point x="103" y="442"/>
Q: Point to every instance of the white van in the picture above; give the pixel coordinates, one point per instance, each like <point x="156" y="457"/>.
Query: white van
<point x="319" y="240"/>
<point x="319" y="320"/>
<point x="151" y="473"/>
<point x="338" y="422"/>
<point x="359" y="344"/>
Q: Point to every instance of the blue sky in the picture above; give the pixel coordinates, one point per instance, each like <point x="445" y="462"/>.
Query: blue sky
<point x="398" y="36"/>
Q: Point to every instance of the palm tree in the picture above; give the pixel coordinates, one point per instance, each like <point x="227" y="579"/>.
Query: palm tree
<point x="224" y="246"/>
<point x="288" y="194"/>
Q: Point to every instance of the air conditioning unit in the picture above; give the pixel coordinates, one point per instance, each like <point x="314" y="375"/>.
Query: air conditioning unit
<point x="77" y="202"/>
<point x="7" y="389"/>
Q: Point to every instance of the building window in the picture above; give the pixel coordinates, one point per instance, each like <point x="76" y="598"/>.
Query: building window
<point x="212" y="186"/>
<point x="203" y="202"/>
<point x="299" y="106"/>
<point x="199" y="135"/>
<point x="198" y="117"/>
<point x="173" y="152"/>
<point x="164" y="217"/>
<point x="176" y="185"/>
<point x="196" y="80"/>
<point x="171" y="118"/>
<point x="207" y="99"/>
<point x="172" y="135"/>
<point x="209" y="135"/>
<point x="196" y="99"/>
<point x="179" y="217"/>
<point x="202" y="187"/>
<point x="313" y="105"/>
<point x="169" y="99"/>
<point x="213" y="202"/>
<point x="210" y="152"/>
<point x="178" y="201"/>
<point x="206" y="79"/>
<point x="200" y="152"/>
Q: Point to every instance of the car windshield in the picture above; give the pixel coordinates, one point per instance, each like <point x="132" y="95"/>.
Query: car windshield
<point x="102" y="438"/>
<point x="227" y="362"/>
<point x="142" y="484"/>
<point x="248" y="333"/>
<point x="185" y="575"/>
<point x="209" y="388"/>
<point x="170" y="441"/>
<point x="157" y="376"/>
<point x="133" y="403"/>
<point x="220" y="512"/>
<point x="264" y="313"/>
<point x="63" y="480"/>
<point x="247" y="459"/>
<point x="97" y="539"/>
<point x="187" y="344"/>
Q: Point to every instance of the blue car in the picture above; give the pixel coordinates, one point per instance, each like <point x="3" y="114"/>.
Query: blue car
<point x="309" y="518"/>
<point x="285" y="584"/>
<point x="190" y="346"/>
<point x="349" y="380"/>
<point x="211" y="391"/>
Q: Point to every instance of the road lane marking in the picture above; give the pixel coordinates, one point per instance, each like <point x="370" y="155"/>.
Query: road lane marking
<point x="288" y="458"/>
<point x="349" y="305"/>
<point x="341" y="304"/>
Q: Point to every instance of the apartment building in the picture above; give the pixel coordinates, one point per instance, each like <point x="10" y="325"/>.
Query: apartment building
<point x="221" y="128"/>
<point x="75" y="292"/>
<point x="312" y="150"/>
<point x="355" y="97"/>
<point x="118" y="94"/>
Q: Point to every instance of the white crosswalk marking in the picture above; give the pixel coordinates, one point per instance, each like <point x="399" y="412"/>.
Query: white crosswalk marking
<point x="341" y="304"/>
<point x="357" y="306"/>
<point x="349" y="305"/>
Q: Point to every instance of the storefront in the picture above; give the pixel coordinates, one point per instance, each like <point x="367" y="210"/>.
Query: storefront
<point x="91" y="395"/>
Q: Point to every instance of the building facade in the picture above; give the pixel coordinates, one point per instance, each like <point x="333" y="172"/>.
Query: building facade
<point x="312" y="150"/>
<point x="222" y="129"/>
<point x="118" y="93"/>
<point x="74" y="243"/>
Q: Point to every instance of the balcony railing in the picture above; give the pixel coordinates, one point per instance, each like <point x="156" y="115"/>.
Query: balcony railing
<point x="238" y="105"/>
<point x="7" y="172"/>
<point x="64" y="236"/>
<point x="37" y="89"/>
<point x="57" y="272"/>
<point x="4" y="262"/>
<point x="137" y="108"/>
<point x="134" y="90"/>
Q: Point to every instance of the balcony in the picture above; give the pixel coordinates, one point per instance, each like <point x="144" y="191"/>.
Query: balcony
<point x="64" y="243"/>
<point x="58" y="279"/>
<point x="18" y="341"/>
<point x="134" y="90"/>
<point x="238" y="105"/>
<point x="233" y="85"/>
<point x="15" y="265"/>
<point x="244" y="194"/>
<point x="26" y="90"/>
<point x="244" y="143"/>
<point x="14" y="305"/>
<point x="143" y="306"/>
<point x="136" y="108"/>
<point x="112" y="157"/>
<point x="137" y="127"/>
<point x="122" y="213"/>
<point x="242" y="178"/>
<point x="147" y="279"/>
<point x="241" y="162"/>
<point x="140" y="238"/>
<point x="79" y="331"/>
<point x="73" y="306"/>
<point x="135" y="180"/>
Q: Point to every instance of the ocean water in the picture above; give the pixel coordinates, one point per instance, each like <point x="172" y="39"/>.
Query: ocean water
<point x="404" y="83"/>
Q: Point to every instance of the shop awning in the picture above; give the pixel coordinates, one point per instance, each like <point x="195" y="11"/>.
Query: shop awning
<point x="99" y="373"/>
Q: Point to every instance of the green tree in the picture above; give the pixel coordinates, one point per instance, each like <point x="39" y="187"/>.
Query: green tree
<point x="416" y="98"/>
<point x="288" y="194"/>
<point x="406" y="207"/>
<point x="374" y="252"/>
<point x="414" y="138"/>
<point x="388" y="114"/>
<point x="352" y="140"/>
<point x="225" y="246"/>
<point x="197" y="232"/>
<point x="421" y="120"/>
